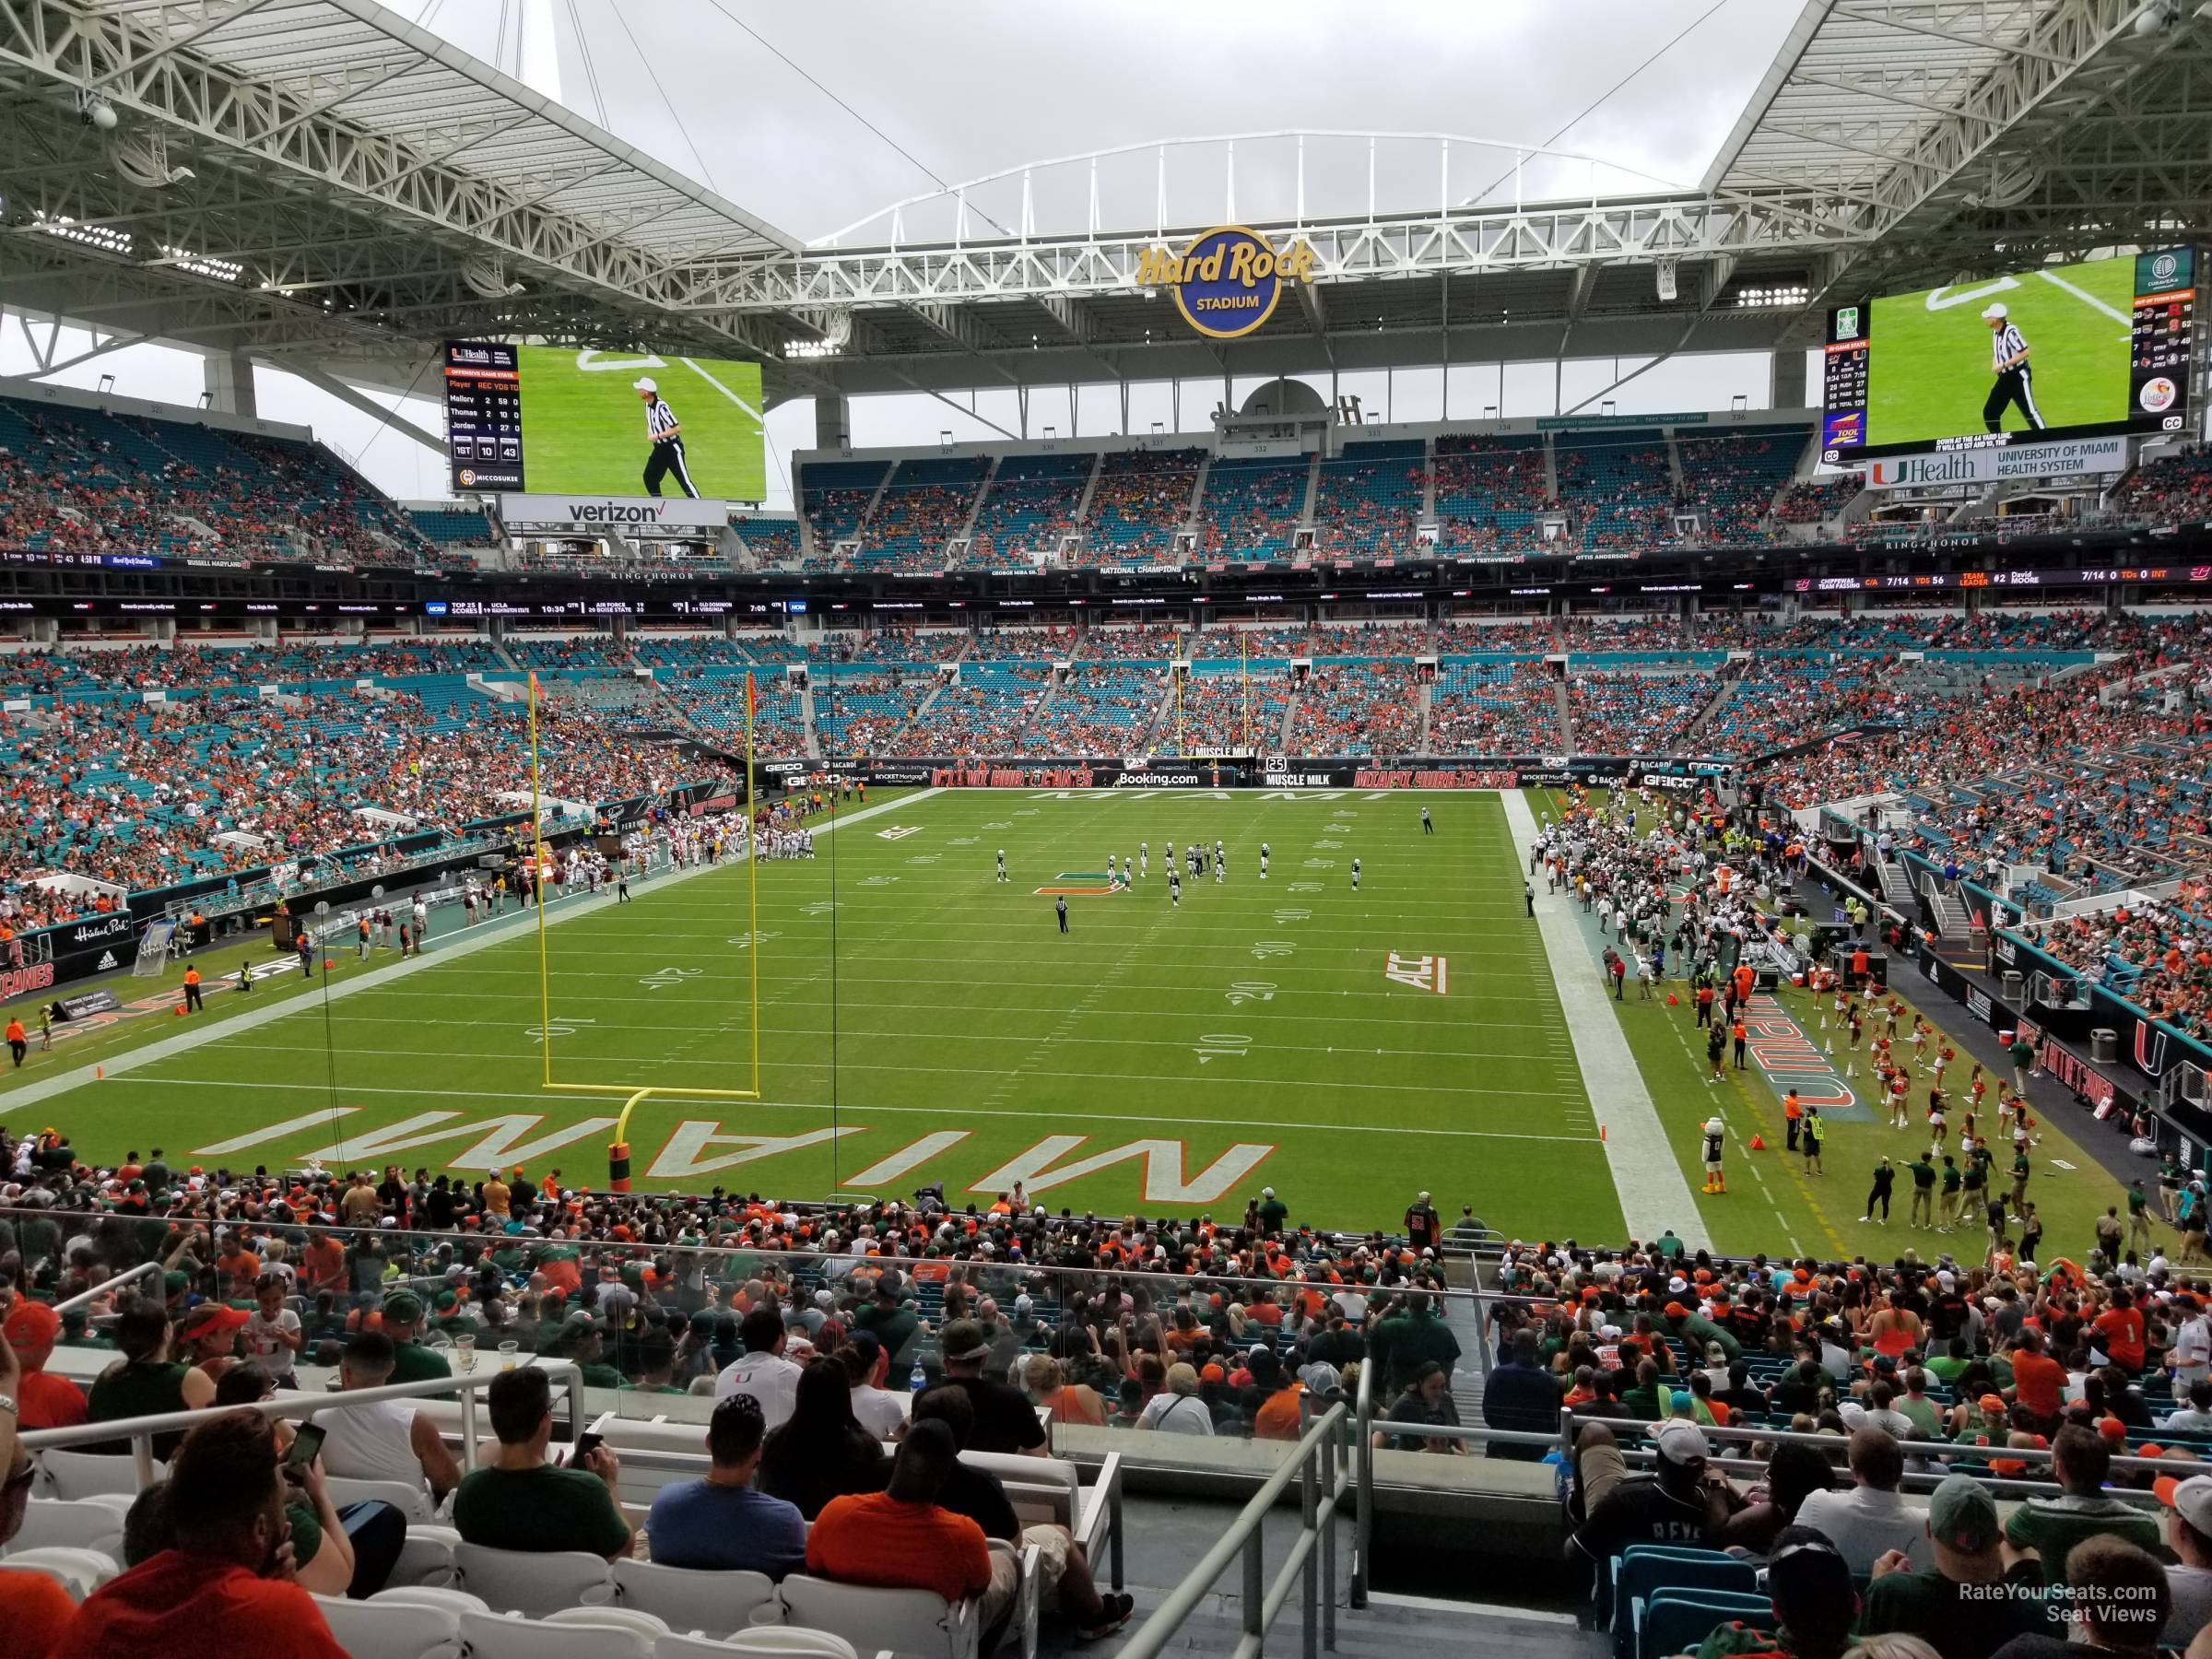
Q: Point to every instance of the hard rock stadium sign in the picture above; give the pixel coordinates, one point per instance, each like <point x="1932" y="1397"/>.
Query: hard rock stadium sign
<point x="1228" y="281"/>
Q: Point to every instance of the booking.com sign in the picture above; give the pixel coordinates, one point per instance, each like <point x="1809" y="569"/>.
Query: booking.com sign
<point x="1228" y="281"/>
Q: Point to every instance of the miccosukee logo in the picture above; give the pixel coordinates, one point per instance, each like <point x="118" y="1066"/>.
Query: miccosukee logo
<point x="1228" y="281"/>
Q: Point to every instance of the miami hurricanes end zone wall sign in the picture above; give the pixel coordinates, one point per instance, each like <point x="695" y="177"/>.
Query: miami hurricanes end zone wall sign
<point x="1227" y="282"/>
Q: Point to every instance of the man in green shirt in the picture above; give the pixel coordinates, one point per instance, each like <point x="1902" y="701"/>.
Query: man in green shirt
<point x="581" y="1341"/>
<point x="1407" y="1339"/>
<point x="520" y="1502"/>
<point x="1969" y="1604"/>
<point x="1642" y="1400"/>
<point x="402" y="1322"/>
<point x="894" y="1323"/>
<point x="1924" y="1192"/>
<point x="1274" y="1212"/>
<point x="2021" y="1170"/>
<point x="2052" y="1526"/>
<point x="1952" y="1184"/>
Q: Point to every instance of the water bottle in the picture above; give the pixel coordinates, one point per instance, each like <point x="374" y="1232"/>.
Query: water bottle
<point x="918" y="1379"/>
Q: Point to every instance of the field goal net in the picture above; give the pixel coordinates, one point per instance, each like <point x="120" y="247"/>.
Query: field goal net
<point x="153" y="948"/>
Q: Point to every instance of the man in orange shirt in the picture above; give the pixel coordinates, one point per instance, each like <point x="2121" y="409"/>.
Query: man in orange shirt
<point x="227" y="1586"/>
<point x="34" y="1609"/>
<point x="2039" y="1382"/>
<point x="1792" y="1114"/>
<point x="902" y="1539"/>
<point x="191" y="990"/>
<point x="19" y="1042"/>
<point x="2119" y="1330"/>
<point x="46" y="1401"/>
<point x="1276" y="1414"/>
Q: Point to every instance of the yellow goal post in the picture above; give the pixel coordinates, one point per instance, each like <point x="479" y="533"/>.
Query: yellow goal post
<point x="635" y="1094"/>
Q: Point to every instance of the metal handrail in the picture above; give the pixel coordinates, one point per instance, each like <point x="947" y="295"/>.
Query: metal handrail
<point x="1363" y="1453"/>
<point x="1831" y="1443"/>
<point x="294" y="1403"/>
<point x="970" y="1268"/>
<point x="1316" y="1462"/>
<point x="106" y="1286"/>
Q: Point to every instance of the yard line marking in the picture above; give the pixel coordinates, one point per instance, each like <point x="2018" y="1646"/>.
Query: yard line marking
<point x="504" y="930"/>
<point x="2056" y="281"/>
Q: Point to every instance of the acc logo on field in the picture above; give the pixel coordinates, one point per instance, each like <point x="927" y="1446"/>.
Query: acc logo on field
<point x="1228" y="281"/>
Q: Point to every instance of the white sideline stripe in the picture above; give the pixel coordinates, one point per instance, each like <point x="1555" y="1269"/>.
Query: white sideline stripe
<point x="1654" y="1195"/>
<point x="2086" y="298"/>
<point x="485" y="934"/>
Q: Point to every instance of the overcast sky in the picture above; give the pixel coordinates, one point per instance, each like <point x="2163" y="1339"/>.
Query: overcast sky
<point x="818" y="115"/>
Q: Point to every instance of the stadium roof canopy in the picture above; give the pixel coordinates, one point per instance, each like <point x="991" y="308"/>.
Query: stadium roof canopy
<point x="354" y="188"/>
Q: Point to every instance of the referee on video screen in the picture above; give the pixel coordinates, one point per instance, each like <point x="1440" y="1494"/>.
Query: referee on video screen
<point x="667" y="436"/>
<point x="2008" y="362"/>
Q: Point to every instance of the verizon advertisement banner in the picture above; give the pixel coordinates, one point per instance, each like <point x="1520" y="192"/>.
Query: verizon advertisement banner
<point x="1991" y="465"/>
<point x="613" y="512"/>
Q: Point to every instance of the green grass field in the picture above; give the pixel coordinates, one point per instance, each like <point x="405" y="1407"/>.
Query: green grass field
<point x="583" y="429"/>
<point x="1930" y="368"/>
<point x="935" y="1026"/>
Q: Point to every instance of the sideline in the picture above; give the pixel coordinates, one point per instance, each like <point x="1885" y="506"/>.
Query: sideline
<point x="1654" y="1193"/>
<point x="486" y="936"/>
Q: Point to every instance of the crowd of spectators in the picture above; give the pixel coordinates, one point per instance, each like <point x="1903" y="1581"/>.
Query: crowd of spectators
<point x="1250" y="509"/>
<point x="1617" y="492"/>
<point x="1491" y="494"/>
<point x="1214" y="714"/>
<point x="1357" y="709"/>
<point x="1633" y="713"/>
<point x="1494" y="708"/>
<point x="1098" y="711"/>
<point x="1143" y="497"/>
<point x="81" y="480"/>
<point x="2158" y="953"/>
<point x="1369" y="502"/>
<point x="984" y="713"/>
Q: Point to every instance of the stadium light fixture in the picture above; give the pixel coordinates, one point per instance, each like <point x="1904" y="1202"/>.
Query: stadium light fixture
<point x="202" y="264"/>
<point x="100" y="237"/>
<point x="1777" y="295"/>
<point x="809" y="349"/>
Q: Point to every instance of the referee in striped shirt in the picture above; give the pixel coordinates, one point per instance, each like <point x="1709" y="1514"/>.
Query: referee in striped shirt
<point x="667" y="437"/>
<point x="2016" y="381"/>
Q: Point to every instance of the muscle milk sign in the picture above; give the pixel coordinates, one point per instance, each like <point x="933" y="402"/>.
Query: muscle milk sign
<point x="615" y="512"/>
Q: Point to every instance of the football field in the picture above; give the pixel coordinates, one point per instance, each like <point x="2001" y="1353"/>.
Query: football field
<point x="584" y="428"/>
<point x="921" y="1021"/>
<point x="1930" y="366"/>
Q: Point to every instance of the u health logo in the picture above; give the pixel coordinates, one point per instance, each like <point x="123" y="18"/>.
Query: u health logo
<point x="1227" y="282"/>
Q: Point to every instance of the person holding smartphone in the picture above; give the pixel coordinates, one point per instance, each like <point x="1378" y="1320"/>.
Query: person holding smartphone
<point x="521" y="1500"/>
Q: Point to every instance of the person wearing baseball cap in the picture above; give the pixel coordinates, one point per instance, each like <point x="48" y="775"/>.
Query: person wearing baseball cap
<point x="411" y="1362"/>
<point x="43" y="1399"/>
<point x="208" y="1337"/>
<point x="1004" y="1421"/>
<point x="1952" y="1604"/>
<point x="1813" y="1599"/>
<point x="2015" y="382"/>
<point x="1671" y="1505"/>
<point x="2189" y="1536"/>
<point x="664" y="435"/>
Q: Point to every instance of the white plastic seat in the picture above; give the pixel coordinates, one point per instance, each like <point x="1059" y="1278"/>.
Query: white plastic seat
<point x="70" y="1523"/>
<point x="916" y="1622"/>
<point x="382" y="1630"/>
<point x="785" y="1641"/>
<point x="496" y="1636"/>
<point x="615" y="1619"/>
<point x="513" y="1580"/>
<point x="74" y="1475"/>
<point x="692" y="1599"/>
<point x="426" y="1557"/>
<point x="79" y="1572"/>
<point x="455" y="1602"/>
<point x="413" y="1502"/>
